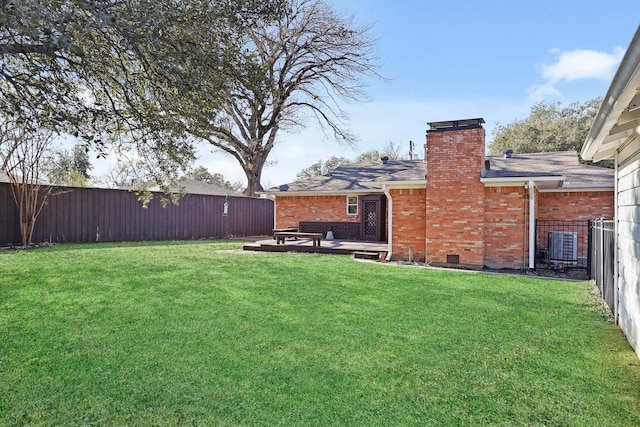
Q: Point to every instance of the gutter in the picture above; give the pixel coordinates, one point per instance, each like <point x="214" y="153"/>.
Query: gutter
<point x="517" y="181"/>
<point x="578" y="189"/>
<point x="401" y="184"/>
<point x="385" y="189"/>
<point x="319" y="193"/>
<point x="373" y="188"/>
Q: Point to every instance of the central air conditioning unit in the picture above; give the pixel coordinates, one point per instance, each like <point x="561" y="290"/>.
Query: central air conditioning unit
<point x="563" y="247"/>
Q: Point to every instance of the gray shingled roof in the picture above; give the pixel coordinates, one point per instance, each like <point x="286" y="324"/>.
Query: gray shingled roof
<point x="4" y="178"/>
<point x="191" y="186"/>
<point x="556" y="164"/>
<point x="364" y="177"/>
<point x="358" y="177"/>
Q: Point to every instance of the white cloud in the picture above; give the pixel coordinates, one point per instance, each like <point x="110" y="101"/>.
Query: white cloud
<point x="541" y="92"/>
<point x="570" y="66"/>
<point x="582" y="64"/>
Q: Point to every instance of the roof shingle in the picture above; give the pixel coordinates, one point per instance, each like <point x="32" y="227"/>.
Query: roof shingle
<point x="363" y="177"/>
<point x="561" y="163"/>
<point x="358" y="177"/>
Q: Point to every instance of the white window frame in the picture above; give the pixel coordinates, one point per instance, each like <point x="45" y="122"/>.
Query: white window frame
<point x="350" y="203"/>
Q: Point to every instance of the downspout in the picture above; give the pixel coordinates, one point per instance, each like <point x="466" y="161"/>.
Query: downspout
<point x="532" y="225"/>
<point x="275" y="213"/>
<point x="616" y="280"/>
<point x="385" y="189"/>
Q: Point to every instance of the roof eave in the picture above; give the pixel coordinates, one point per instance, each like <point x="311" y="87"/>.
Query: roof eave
<point x="279" y="193"/>
<point x="402" y="184"/>
<point x="579" y="188"/>
<point x="519" y="181"/>
<point x="604" y="137"/>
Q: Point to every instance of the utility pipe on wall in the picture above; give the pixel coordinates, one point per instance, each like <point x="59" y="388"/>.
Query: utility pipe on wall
<point x="385" y="189"/>
<point x="532" y="224"/>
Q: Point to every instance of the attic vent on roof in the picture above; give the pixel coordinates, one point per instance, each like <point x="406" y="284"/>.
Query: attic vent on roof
<point x="384" y="159"/>
<point x="508" y="153"/>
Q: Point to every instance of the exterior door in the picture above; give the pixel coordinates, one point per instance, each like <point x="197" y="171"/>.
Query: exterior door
<point x="372" y="227"/>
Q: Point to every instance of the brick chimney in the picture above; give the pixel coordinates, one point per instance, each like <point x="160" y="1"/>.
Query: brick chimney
<point x="455" y="195"/>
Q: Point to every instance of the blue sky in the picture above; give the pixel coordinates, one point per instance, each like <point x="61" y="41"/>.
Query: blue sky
<point x="463" y="59"/>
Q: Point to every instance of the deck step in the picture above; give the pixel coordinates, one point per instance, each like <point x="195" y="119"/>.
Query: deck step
<point x="366" y="255"/>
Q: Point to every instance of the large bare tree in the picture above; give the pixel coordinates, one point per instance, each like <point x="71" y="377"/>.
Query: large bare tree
<point x="170" y="73"/>
<point x="296" y="67"/>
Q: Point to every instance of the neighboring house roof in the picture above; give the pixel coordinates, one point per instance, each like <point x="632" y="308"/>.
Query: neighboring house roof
<point x="560" y="170"/>
<point x="191" y="186"/>
<point x="619" y="116"/>
<point x="4" y="178"/>
<point x="358" y="178"/>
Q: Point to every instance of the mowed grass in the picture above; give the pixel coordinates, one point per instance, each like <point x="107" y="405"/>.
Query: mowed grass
<point x="181" y="333"/>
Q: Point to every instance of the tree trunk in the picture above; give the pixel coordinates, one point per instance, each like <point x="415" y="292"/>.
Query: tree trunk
<point x="253" y="171"/>
<point x="253" y="182"/>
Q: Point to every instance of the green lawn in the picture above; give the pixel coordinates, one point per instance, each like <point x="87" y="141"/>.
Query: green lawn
<point x="183" y="334"/>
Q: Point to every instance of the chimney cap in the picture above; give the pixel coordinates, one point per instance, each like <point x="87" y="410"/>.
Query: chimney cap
<point x="508" y="153"/>
<point x="456" y="124"/>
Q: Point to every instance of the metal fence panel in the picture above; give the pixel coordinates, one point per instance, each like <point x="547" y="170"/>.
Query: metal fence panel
<point x="602" y="260"/>
<point x="562" y="244"/>
<point x="78" y="215"/>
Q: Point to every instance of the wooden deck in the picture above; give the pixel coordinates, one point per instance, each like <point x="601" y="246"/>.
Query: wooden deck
<point x="358" y="248"/>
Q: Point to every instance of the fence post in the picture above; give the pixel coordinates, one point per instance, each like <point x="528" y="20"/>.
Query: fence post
<point x="601" y="231"/>
<point x="590" y="249"/>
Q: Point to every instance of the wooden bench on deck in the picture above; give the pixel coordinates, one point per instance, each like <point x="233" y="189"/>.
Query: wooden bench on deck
<point x="286" y="229"/>
<point x="282" y="235"/>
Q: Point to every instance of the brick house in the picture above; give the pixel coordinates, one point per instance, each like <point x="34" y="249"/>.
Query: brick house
<point x="457" y="207"/>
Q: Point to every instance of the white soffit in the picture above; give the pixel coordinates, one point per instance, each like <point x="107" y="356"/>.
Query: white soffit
<point x="618" y="119"/>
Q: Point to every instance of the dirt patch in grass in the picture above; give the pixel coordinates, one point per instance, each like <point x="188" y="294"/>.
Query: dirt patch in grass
<point x="23" y="247"/>
<point x="564" y="274"/>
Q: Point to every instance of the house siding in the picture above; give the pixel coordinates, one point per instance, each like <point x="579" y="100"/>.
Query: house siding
<point x="455" y="196"/>
<point x="628" y="243"/>
<point x="291" y="210"/>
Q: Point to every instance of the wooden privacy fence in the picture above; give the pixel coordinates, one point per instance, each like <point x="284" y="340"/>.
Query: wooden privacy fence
<point x="77" y="215"/>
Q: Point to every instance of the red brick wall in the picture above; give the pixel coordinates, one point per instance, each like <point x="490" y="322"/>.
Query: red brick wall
<point x="507" y="219"/>
<point x="455" y="196"/>
<point x="506" y="230"/>
<point x="292" y="209"/>
<point x="408" y="223"/>
<point x="575" y="206"/>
